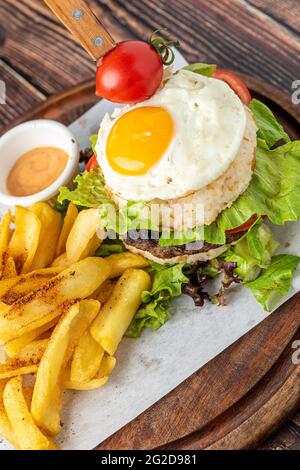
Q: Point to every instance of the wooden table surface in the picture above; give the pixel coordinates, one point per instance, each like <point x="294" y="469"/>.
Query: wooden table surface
<point x="39" y="58"/>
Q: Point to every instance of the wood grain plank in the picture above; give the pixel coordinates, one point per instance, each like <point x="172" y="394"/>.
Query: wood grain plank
<point x="296" y="419"/>
<point x="228" y="32"/>
<point x="285" y="12"/>
<point x="288" y="438"/>
<point x="258" y="37"/>
<point x="20" y="95"/>
<point x="41" y="49"/>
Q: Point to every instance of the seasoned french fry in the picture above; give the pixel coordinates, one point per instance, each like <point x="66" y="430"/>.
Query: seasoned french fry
<point x="9" y="270"/>
<point x="104" y="292"/>
<point x="91" y="385"/>
<point x="88" y="311"/>
<point x="61" y="262"/>
<point x="107" y="365"/>
<point x="10" y="370"/>
<point x="46" y="401"/>
<point x="28" y="435"/>
<point x="32" y="353"/>
<point x="40" y="307"/>
<point x="50" y="230"/>
<point x="122" y="261"/>
<point x="28" y="392"/>
<point x="69" y="221"/>
<point x="26" y="362"/>
<point x="25" y="239"/>
<point x="94" y="243"/>
<point x="14" y="347"/>
<point x="87" y="359"/>
<point x="5" y="427"/>
<point x="13" y="289"/>
<point x="28" y="328"/>
<point x="5" y="232"/>
<point x="4" y="241"/>
<point x="118" y="312"/>
<point x="79" y="241"/>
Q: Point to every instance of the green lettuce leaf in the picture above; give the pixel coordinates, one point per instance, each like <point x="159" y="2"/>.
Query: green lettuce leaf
<point x="110" y="247"/>
<point x="275" y="282"/>
<point x="269" y="129"/>
<point x="178" y="238"/>
<point x="167" y="284"/>
<point x="88" y="192"/>
<point x="253" y="252"/>
<point x="94" y="140"/>
<point x="274" y="191"/>
<point x="202" y="69"/>
<point x="152" y="315"/>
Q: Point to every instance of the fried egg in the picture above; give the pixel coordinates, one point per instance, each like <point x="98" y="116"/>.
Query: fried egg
<point x="177" y="142"/>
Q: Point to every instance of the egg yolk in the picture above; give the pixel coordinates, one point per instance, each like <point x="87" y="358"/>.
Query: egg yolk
<point x="138" y="140"/>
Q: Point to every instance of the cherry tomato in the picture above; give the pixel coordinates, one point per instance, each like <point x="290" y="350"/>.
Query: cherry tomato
<point x="130" y="73"/>
<point x="235" y="83"/>
<point x="92" y="164"/>
<point x="244" y="227"/>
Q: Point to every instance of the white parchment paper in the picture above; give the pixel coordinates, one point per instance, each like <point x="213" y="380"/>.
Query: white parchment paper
<point x="151" y="366"/>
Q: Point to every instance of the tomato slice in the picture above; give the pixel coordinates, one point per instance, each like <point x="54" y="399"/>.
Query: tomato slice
<point x="235" y="82"/>
<point x="92" y="164"/>
<point x="244" y="227"/>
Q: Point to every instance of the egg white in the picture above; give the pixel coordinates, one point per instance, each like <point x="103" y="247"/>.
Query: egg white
<point x="210" y="122"/>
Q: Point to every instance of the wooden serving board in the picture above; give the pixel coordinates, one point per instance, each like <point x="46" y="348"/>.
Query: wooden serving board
<point x="244" y="394"/>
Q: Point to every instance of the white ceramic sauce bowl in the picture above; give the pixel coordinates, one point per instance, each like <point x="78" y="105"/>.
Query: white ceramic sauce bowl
<point x="30" y="135"/>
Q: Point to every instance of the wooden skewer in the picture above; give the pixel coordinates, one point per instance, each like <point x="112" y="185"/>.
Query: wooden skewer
<point x="83" y="24"/>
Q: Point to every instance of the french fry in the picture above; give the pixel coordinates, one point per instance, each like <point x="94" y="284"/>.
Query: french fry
<point x="14" y="347"/>
<point x="107" y="366"/>
<point x="28" y="392"/>
<point x="32" y="352"/>
<point x="50" y="230"/>
<point x="5" y="427"/>
<point x="13" y="289"/>
<point x="91" y="385"/>
<point x="4" y="241"/>
<point x="28" y="435"/>
<point x="5" y="232"/>
<point x="9" y="270"/>
<point x="40" y="307"/>
<point x="88" y="311"/>
<point x="82" y="235"/>
<point x="25" y="239"/>
<point x="8" y="371"/>
<point x="87" y="359"/>
<point x="118" y="312"/>
<point x="119" y="262"/>
<point x="26" y="361"/>
<point x="104" y="292"/>
<point x="28" y="328"/>
<point x="69" y="221"/>
<point x="61" y="262"/>
<point x="94" y="243"/>
<point x="46" y="400"/>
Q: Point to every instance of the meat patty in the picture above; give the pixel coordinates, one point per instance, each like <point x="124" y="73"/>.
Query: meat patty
<point x="148" y="242"/>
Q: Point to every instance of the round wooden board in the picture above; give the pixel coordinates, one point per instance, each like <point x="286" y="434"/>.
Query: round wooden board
<point x="241" y="396"/>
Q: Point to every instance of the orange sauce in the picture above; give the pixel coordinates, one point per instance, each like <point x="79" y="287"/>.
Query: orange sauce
<point x="36" y="170"/>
